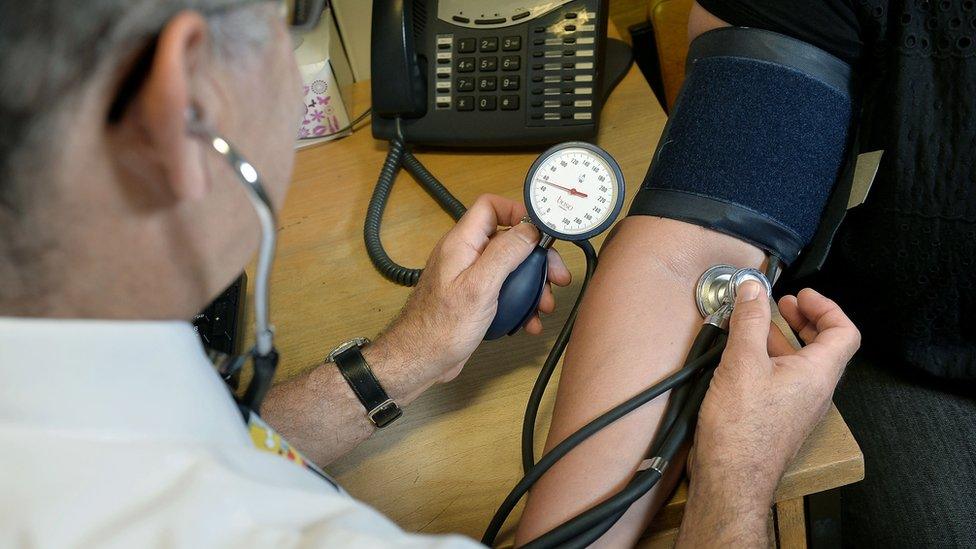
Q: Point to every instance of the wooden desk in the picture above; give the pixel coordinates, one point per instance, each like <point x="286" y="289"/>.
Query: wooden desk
<point x="447" y="464"/>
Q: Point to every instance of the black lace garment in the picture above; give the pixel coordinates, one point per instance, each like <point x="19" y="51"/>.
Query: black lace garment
<point x="904" y="264"/>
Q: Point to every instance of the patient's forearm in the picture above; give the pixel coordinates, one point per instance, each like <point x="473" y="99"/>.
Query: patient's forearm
<point x="635" y="327"/>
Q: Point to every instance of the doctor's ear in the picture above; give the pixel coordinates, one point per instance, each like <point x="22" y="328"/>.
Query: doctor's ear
<point x="170" y="85"/>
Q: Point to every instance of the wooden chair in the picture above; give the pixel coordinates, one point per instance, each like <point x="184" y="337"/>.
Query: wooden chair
<point x="669" y="19"/>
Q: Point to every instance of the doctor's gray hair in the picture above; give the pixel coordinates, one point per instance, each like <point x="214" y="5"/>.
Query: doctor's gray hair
<point x="53" y="51"/>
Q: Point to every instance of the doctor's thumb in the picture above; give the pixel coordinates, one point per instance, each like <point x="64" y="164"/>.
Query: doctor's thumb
<point x="504" y="253"/>
<point x="749" y="325"/>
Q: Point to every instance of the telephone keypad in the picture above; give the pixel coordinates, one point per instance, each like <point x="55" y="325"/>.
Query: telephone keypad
<point x="487" y="83"/>
<point x="487" y="103"/>
<point x="488" y="44"/>
<point x="488" y="68"/>
<point x="465" y="103"/>
<point x="466" y="45"/>
<point x="465" y="83"/>
<point x="510" y="102"/>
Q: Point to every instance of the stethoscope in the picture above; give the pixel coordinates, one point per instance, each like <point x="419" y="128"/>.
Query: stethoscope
<point x="263" y="355"/>
<point x="564" y="184"/>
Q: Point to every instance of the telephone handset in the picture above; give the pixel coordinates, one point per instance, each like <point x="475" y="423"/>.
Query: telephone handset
<point x="479" y="73"/>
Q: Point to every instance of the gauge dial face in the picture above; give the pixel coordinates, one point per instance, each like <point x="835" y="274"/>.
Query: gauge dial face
<point x="574" y="191"/>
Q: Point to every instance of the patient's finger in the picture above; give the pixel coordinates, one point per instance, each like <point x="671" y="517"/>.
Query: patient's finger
<point x="790" y="310"/>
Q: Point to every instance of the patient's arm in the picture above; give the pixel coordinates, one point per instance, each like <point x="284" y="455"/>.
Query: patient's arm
<point x="635" y="327"/>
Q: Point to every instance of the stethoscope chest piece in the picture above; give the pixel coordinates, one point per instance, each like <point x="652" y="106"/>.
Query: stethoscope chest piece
<point x="717" y="287"/>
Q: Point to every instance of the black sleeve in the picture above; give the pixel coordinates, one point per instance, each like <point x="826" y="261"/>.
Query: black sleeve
<point x="831" y="25"/>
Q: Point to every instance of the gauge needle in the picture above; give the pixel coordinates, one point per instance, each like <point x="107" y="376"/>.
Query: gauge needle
<point x="572" y="191"/>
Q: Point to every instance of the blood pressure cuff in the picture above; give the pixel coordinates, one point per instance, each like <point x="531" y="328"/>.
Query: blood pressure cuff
<point x="756" y="140"/>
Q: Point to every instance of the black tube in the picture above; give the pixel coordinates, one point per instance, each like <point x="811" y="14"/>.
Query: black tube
<point x="542" y="381"/>
<point x="585" y="540"/>
<point x="591" y="428"/>
<point x="615" y="506"/>
<point x="396" y="158"/>
<point x="706" y="335"/>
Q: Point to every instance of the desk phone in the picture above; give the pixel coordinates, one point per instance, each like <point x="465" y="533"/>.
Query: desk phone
<point x="477" y="73"/>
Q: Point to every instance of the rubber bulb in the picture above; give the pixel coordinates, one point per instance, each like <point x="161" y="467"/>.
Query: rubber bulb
<point x="520" y="295"/>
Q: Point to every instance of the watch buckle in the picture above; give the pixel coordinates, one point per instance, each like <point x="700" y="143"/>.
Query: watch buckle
<point x="387" y="405"/>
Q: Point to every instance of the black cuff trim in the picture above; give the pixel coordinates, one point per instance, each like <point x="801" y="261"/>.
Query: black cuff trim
<point x="725" y="217"/>
<point x="776" y="48"/>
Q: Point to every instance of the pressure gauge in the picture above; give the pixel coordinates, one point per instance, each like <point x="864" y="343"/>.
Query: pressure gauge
<point x="574" y="191"/>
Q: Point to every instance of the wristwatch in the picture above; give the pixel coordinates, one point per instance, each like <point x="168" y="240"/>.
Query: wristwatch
<point x="348" y="358"/>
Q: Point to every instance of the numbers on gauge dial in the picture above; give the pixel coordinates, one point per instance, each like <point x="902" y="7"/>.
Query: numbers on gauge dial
<point x="573" y="191"/>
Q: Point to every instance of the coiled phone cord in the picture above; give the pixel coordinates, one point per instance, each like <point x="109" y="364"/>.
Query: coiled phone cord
<point x="398" y="157"/>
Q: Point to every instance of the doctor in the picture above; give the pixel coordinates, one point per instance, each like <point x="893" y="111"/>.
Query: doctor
<point x="118" y="225"/>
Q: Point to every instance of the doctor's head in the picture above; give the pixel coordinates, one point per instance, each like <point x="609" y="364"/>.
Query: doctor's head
<point x="109" y="207"/>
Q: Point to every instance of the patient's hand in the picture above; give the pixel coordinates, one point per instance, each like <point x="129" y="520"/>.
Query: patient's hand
<point x="763" y="401"/>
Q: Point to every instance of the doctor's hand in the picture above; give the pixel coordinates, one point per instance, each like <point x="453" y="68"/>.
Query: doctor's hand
<point x="764" y="399"/>
<point x="455" y="301"/>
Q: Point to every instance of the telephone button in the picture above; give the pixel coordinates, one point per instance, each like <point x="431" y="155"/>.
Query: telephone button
<point x="510" y="102"/>
<point x="464" y="103"/>
<point x="460" y="19"/>
<point x="497" y="21"/>
<point x="466" y="45"/>
<point x="465" y="64"/>
<point x="571" y="15"/>
<point x="487" y="83"/>
<point x="465" y="83"/>
<point x="521" y="15"/>
<point x="511" y="63"/>
<point x="510" y="83"/>
<point x="488" y="44"/>
<point x="512" y="43"/>
<point x="488" y="64"/>
<point x="487" y="103"/>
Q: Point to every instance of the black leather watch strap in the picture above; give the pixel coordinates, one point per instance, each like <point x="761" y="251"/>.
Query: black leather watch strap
<point x="380" y="408"/>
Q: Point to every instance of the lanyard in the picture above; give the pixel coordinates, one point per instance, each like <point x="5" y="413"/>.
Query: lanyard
<point x="268" y="440"/>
